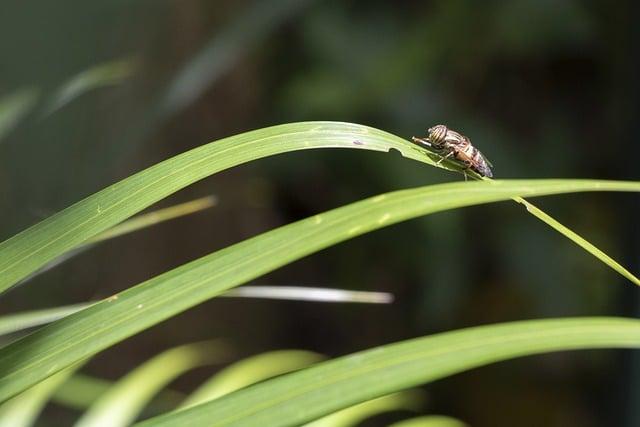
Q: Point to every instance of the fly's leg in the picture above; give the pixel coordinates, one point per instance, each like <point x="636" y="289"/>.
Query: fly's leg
<point x="464" y="171"/>
<point x="451" y="153"/>
<point x="422" y="141"/>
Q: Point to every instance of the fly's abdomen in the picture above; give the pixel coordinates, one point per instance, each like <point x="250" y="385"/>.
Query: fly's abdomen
<point x="483" y="168"/>
<point x="470" y="155"/>
<point x="464" y="151"/>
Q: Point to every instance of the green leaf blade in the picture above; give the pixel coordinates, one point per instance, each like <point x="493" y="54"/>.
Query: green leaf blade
<point x="124" y="400"/>
<point x="311" y="393"/>
<point x="41" y="243"/>
<point x="430" y="421"/>
<point x="24" y="409"/>
<point x="31" y="359"/>
<point x="14" y="107"/>
<point x="409" y="400"/>
<point x="249" y="371"/>
<point x="578" y="240"/>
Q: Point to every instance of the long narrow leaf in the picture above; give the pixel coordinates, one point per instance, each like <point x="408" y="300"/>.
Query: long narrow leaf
<point x="11" y="323"/>
<point x="410" y="400"/>
<point x="124" y="401"/>
<point x="311" y="393"/>
<point x="225" y="48"/>
<point x="155" y="217"/>
<point x="41" y="243"/>
<point x="14" y="107"/>
<point x="577" y="239"/>
<point x="23" y="410"/>
<point x="430" y="421"/>
<point x="250" y="371"/>
<point x="306" y="293"/>
<point x="31" y="359"/>
<point x="129" y="226"/>
<point x="101" y="75"/>
<point x="80" y="391"/>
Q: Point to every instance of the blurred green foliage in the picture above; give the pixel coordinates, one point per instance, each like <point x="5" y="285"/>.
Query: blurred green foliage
<point x="545" y="88"/>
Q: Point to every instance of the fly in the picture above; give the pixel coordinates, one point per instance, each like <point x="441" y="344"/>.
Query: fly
<point x="449" y="143"/>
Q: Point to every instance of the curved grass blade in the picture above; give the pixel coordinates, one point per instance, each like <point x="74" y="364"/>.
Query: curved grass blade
<point x="306" y="293"/>
<point x="129" y="226"/>
<point x="405" y="400"/>
<point x="29" y="250"/>
<point x="577" y="239"/>
<point x="11" y="323"/>
<point x="23" y="410"/>
<point x="250" y="371"/>
<point x="81" y="391"/>
<point x="29" y="360"/>
<point x="109" y="73"/>
<point x="14" y="107"/>
<point x="248" y="29"/>
<point x="126" y="398"/>
<point x="268" y="365"/>
<point x="155" y="217"/>
<point x="302" y="396"/>
<point x="430" y="421"/>
<point x="17" y="322"/>
<point x="224" y="49"/>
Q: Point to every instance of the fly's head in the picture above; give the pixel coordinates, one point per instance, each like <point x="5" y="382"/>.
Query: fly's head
<point x="437" y="134"/>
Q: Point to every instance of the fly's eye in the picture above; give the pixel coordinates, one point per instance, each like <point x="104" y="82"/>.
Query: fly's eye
<point x="437" y="133"/>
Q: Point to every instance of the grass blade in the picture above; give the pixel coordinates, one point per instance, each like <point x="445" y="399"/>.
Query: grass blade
<point x="11" y="323"/>
<point x="23" y="410"/>
<point x="302" y="396"/>
<point x="126" y="398"/>
<point x="430" y="421"/>
<point x="106" y="74"/>
<point x="225" y="48"/>
<point x="250" y="371"/>
<point x="155" y="217"/>
<point x="580" y="241"/>
<point x="29" y="360"/>
<point x="14" y="107"/>
<point x="17" y="322"/>
<point x="80" y="391"/>
<point x="299" y="293"/>
<point x="129" y="226"/>
<point x="268" y="365"/>
<point x="353" y="416"/>
<point x="31" y="249"/>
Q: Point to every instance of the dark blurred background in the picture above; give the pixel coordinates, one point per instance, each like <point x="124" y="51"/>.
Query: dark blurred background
<point x="547" y="89"/>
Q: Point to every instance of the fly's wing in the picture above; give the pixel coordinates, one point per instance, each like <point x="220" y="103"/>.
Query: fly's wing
<point x="485" y="158"/>
<point x="479" y="152"/>
<point x="489" y="165"/>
